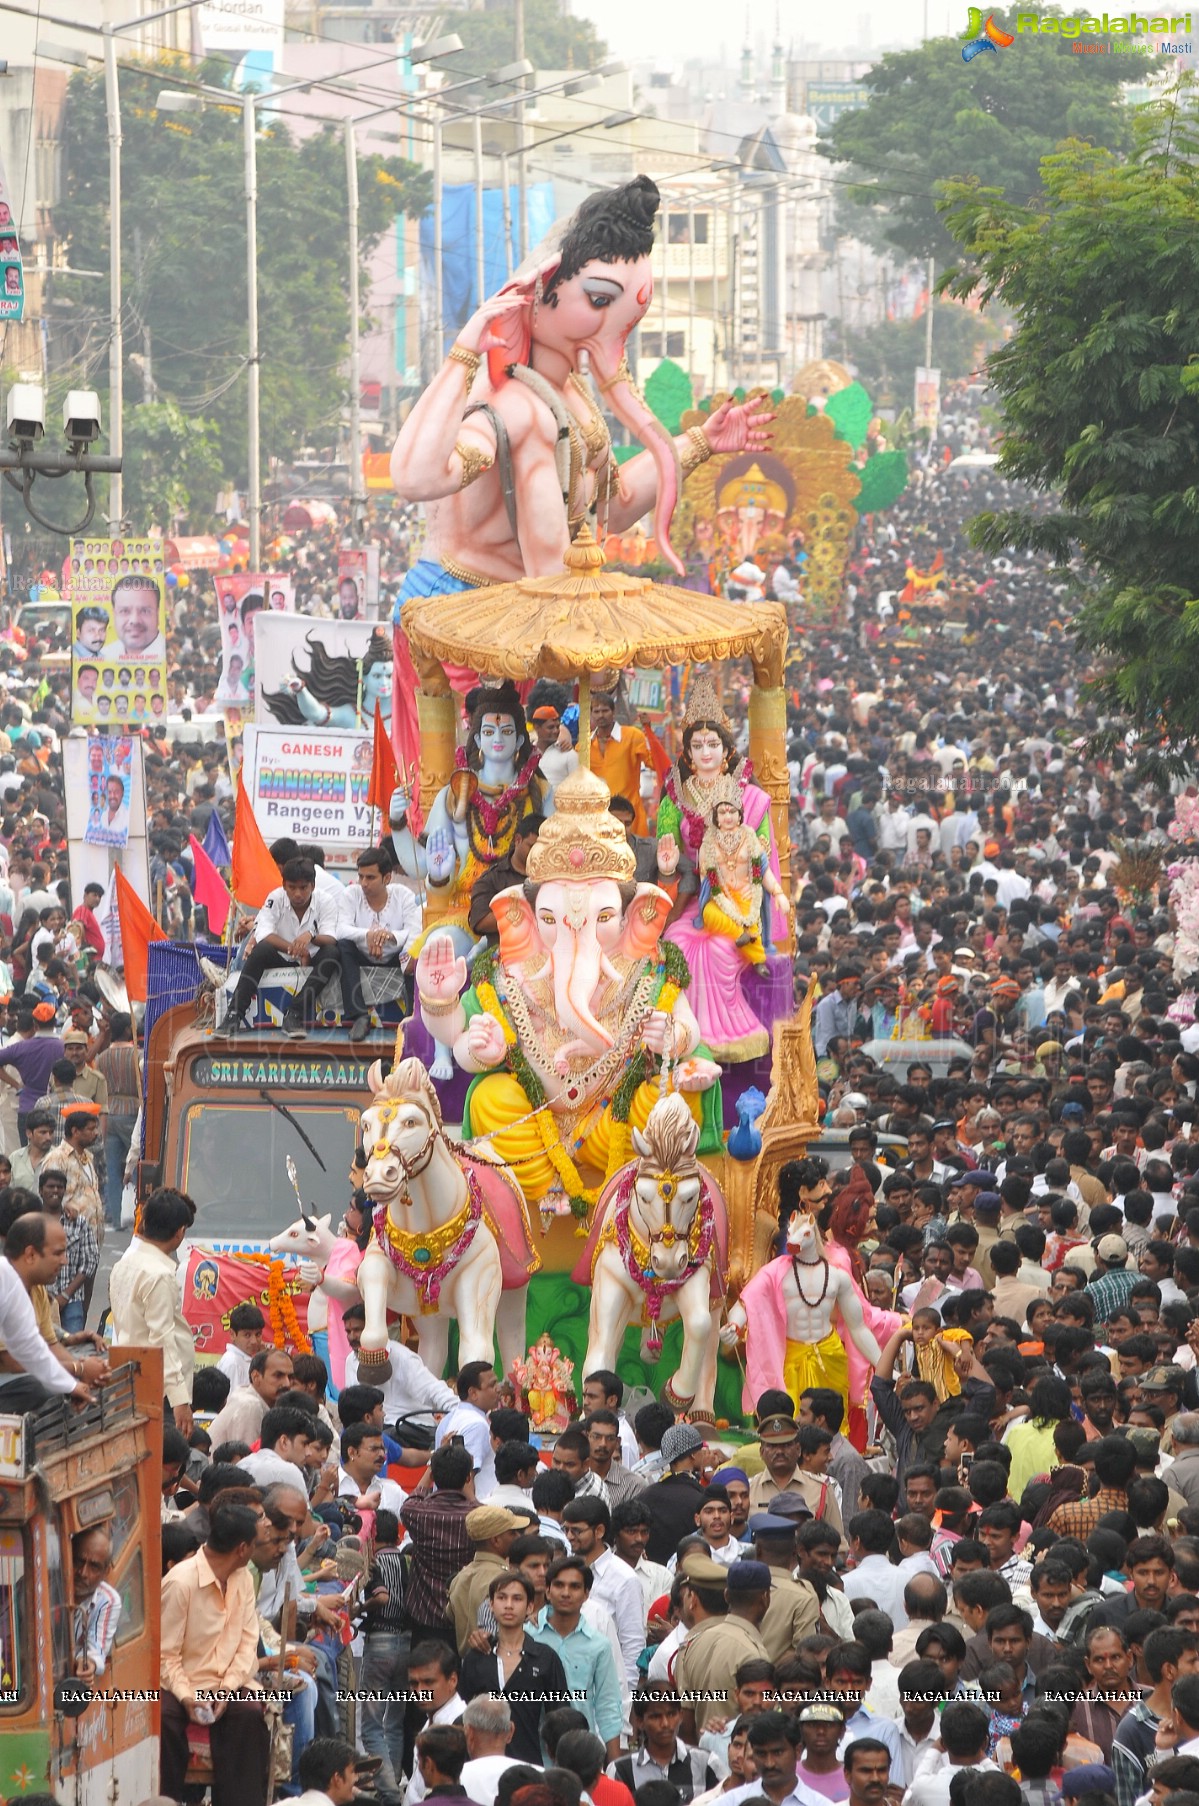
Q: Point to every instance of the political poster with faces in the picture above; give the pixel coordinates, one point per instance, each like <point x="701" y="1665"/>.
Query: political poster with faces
<point x="118" y="637"/>
<point x="240" y="597"/>
<point x="358" y="583"/>
<point x="110" y="788"/>
<point x="12" y="273"/>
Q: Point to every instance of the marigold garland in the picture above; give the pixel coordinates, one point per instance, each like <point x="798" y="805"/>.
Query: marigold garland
<point x="284" y="1319"/>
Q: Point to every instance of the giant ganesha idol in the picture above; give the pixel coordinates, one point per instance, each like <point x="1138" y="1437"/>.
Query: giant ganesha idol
<point x="508" y="447"/>
<point x="568" y="1026"/>
<point x="709" y="771"/>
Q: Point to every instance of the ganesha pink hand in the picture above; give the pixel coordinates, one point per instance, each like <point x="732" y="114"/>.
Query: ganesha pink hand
<point x="440" y="974"/>
<point x="738" y="426"/>
<point x="485" y="1040"/>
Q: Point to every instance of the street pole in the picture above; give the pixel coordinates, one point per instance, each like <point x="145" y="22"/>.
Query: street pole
<point x="506" y="203"/>
<point x="438" y="224"/>
<point x="357" y="495"/>
<point x="692" y="361"/>
<point x="254" y="505"/>
<point x="928" y="319"/>
<point x="480" y="250"/>
<point x="116" y="342"/>
<point x="522" y="162"/>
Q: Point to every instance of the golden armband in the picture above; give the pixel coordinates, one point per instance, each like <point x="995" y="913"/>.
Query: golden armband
<point x="696" y="451"/>
<point x="474" y="463"/>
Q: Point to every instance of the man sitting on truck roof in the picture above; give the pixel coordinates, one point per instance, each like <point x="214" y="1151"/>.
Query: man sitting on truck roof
<point x="378" y="924"/>
<point x="296" y="926"/>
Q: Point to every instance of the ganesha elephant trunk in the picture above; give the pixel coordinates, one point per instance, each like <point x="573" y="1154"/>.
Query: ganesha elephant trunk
<point x="632" y="411"/>
<point x="576" y="979"/>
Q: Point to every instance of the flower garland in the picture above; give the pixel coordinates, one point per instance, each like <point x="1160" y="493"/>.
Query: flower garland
<point x="491" y="809"/>
<point x="284" y="1318"/>
<point x="430" y="1258"/>
<point x="633" y="1252"/>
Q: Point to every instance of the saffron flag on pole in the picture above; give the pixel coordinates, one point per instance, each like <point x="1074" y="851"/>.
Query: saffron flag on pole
<point x="138" y="929"/>
<point x="254" y="874"/>
<point x="385" y="774"/>
<point x="215" y="843"/>
<point x="209" y="888"/>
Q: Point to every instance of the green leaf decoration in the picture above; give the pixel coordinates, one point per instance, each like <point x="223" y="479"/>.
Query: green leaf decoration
<point x="851" y="411"/>
<point x="883" y="481"/>
<point x="669" y="394"/>
<point x="622" y="453"/>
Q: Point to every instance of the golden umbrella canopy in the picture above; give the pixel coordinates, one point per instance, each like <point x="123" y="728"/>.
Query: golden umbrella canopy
<point x="590" y="619"/>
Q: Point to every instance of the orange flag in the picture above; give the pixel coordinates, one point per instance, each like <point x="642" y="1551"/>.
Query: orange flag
<point x="138" y="929"/>
<point x="254" y="874"/>
<point x="385" y="774"/>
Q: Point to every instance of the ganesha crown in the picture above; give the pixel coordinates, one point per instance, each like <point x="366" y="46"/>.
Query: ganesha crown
<point x="582" y="838"/>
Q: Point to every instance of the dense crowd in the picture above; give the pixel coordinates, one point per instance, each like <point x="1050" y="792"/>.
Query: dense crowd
<point x="994" y="1601"/>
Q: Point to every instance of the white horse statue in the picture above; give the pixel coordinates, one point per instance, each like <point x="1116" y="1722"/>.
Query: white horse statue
<point x="658" y="1250"/>
<point x="451" y="1240"/>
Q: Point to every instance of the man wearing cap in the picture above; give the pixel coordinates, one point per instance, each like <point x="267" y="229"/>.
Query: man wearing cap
<point x="492" y="1530"/>
<point x="673" y="1501"/>
<point x="719" y="1640"/>
<point x="778" y="1439"/>
<point x="73" y="1159"/>
<point x="1113" y="1287"/>
<point x="1162" y="1386"/>
<point x="794" y="1610"/>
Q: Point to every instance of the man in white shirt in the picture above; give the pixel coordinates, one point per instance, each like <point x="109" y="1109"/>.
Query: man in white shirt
<point x="408" y="1388"/>
<point x="487" y="1726"/>
<point x="327" y="1772"/>
<point x="604" y="1390"/>
<point x="478" y="1393"/>
<point x="283" y="1446"/>
<point x="296" y="926"/>
<point x="143" y="1292"/>
<point x="963" y="1737"/>
<point x="872" y="1576"/>
<point x="361" y="1473"/>
<point x="43" y="1376"/>
<point x="378" y="923"/>
<point x="588" y="1525"/>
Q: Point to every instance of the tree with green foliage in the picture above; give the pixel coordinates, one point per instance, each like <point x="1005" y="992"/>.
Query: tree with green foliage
<point x="887" y="356"/>
<point x="1100" y="394"/>
<point x="184" y="256"/>
<point x="932" y="118"/>
<point x="172" y="464"/>
<point x="554" y="38"/>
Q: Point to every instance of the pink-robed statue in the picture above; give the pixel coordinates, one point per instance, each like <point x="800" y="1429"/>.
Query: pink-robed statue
<point x="508" y="446"/>
<point x="805" y="1321"/>
<point x="718" y="961"/>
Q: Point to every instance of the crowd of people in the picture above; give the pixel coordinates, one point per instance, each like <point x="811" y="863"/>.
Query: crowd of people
<point x="994" y="1601"/>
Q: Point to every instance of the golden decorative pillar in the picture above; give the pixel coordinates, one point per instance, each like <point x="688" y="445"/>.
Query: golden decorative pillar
<point x="788" y="1124"/>
<point x="437" y="718"/>
<point x="768" y="751"/>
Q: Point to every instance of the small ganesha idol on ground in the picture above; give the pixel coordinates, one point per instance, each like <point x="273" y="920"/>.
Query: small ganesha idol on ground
<point x="544" y="1382"/>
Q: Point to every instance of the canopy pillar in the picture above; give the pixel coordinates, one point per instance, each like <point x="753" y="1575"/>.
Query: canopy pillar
<point x="768" y="751"/>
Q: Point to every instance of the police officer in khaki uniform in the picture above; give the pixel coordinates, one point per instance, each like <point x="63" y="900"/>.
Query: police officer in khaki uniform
<point x="722" y="1608"/>
<point x="794" y="1610"/>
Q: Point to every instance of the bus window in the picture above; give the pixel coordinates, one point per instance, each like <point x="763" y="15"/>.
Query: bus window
<point x="234" y="1155"/>
<point x="60" y="1609"/>
<point x="132" y="1588"/>
<point x="125" y="1509"/>
<point x="14" y="1670"/>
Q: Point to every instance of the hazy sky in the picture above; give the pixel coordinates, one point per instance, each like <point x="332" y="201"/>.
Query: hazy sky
<point x="669" y="30"/>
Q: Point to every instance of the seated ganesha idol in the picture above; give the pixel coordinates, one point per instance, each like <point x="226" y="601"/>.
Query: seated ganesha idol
<point x="569" y="1026"/>
<point x="731" y="906"/>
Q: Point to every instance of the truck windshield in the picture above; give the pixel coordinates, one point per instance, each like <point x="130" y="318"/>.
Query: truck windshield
<point x="234" y="1163"/>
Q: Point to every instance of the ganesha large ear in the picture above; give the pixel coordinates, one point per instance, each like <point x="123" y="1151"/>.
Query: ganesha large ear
<point x="516" y="925"/>
<point x="510" y="332"/>
<point x="644" y="921"/>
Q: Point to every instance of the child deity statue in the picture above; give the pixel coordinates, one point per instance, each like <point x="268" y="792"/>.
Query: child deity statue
<point x="734" y="868"/>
